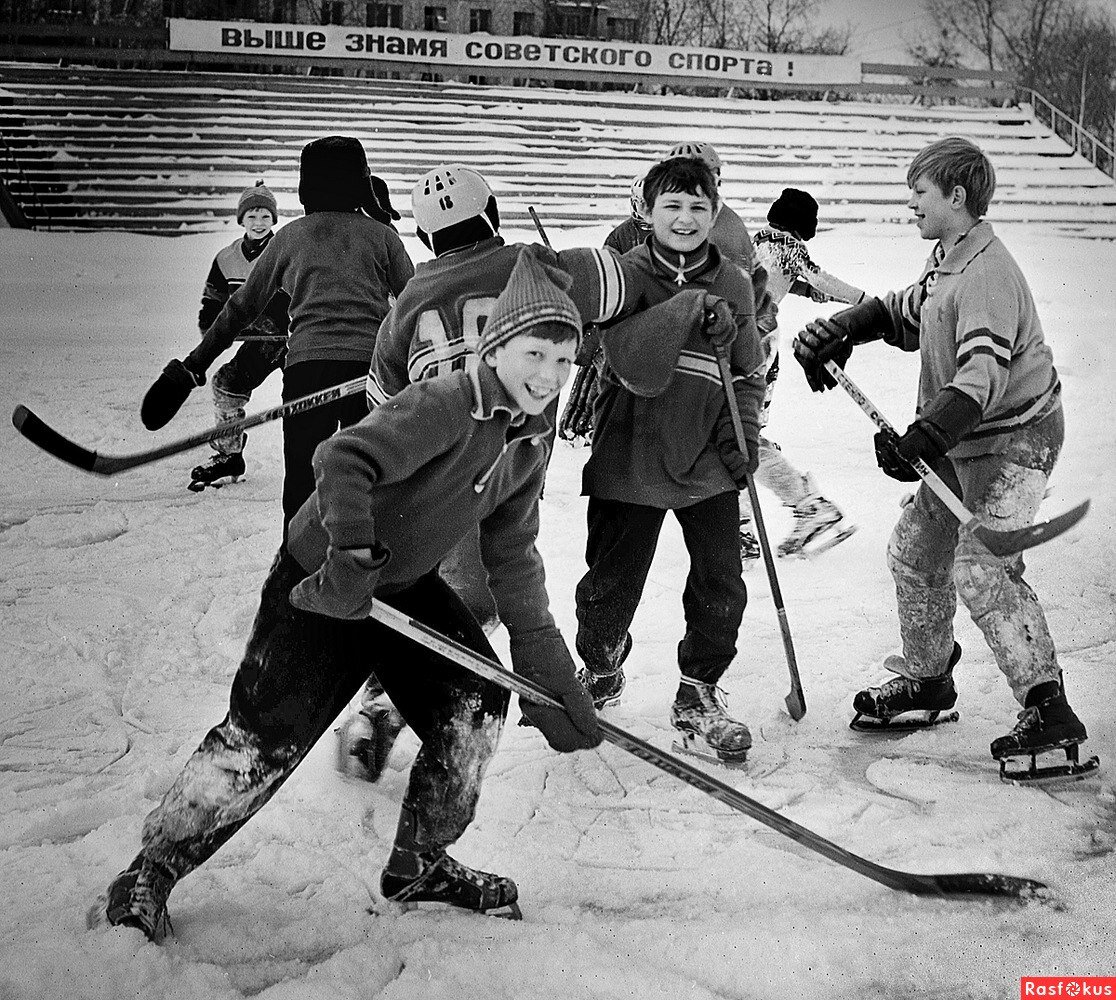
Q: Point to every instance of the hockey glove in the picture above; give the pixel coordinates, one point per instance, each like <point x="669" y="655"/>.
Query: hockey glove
<point x="343" y="587"/>
<point x="166" y="396"/>
<point x="738" y="465"/>
<point x="832" y="339"/>
<point x="544" y="658"/>
<point x="720" y="323"/>
<point x="949" y="417"/>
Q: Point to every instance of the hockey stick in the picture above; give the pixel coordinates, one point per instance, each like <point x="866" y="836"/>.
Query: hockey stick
<point x="538" y="225"/>
<point x="977" y="883"/>
<point x="46" y="437"/>
<point x="796" y="698"/>
<point x="1000" y="543"/>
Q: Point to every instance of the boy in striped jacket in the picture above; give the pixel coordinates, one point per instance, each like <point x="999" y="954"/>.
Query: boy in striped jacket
<point x="989" y="421"/>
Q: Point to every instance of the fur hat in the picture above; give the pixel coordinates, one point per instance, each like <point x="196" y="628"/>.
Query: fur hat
<point x="333" y="174"/>
<point x="535" y="293"/>
<point x="795" y="212"/>
<point x="257" y="197"/>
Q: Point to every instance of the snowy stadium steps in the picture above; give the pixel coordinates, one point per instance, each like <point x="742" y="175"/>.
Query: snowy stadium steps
<point x="165" y="152"/>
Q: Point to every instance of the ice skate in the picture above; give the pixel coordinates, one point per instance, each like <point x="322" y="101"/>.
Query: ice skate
<point x="136" y="898"/>
<point x="365" y="740"/>
<point x="750" y="551"/>
<point x="606" y="688"/>
<point x="886" y="707"/>
<point x="818" y="526"/>
<point x="437" y="878"/>
<point x="707" y="730"/>
<point x="1047" y="723"/>
<point x="218" y="471"/>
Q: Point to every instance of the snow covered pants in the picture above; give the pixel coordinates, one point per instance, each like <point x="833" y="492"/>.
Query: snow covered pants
<point x="298" y="672"/>
<point x="303" y="432"/>
<point x="619" y="551"/>
<point x="933" y="563"/>
<point x="235" y="382"/>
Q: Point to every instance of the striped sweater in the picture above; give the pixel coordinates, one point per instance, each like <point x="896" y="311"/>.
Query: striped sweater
<point x="973" y="320"/>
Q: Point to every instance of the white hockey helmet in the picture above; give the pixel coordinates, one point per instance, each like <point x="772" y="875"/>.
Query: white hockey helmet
<point x="639" y="205"/>
<point x="447" y="195"/>
<point x="697" y="151"/>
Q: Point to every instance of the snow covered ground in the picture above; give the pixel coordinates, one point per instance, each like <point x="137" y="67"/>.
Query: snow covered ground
<point x="126" y="603"/>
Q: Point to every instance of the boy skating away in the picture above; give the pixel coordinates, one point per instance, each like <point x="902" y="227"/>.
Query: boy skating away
<point x="394" y="494"/>
<point x="339" y="267"/>
<point x="781" y="248"/>
<point x="989" y="420"/>
<point x="254" y="360"/>
<point x="673" y="452"/>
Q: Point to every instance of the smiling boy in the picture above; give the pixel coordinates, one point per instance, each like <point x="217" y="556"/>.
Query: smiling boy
<point x="989" y="421"/>
<point x="673" y="451"/>
<point x="395" y="493"/>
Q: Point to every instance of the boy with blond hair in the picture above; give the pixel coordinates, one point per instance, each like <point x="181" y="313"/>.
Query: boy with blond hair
<point x="989" y="421"/>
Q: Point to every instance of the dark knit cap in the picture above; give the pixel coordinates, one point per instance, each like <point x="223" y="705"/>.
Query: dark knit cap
<point x="333" y="174"/>
<point x="257" y="197"/>
<point x="535" y="293"/>
<point x="796" y="212"/>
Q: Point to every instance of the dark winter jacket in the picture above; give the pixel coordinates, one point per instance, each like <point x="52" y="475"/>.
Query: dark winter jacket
<point x="419" y="473"/>
<point x="661" y="451"/>
<point x="229" y="270"/>
<point x="338" y="268"/>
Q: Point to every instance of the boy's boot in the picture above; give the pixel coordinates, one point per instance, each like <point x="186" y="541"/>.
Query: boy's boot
<point x="420" y="874"/>
<point x="818" y="525"/>
<point x="137" y="897"/>
<point x="606" y="687"/>
<point x="879" y="707"/>
<point x="1046" y="723"/>
<point x="220" y="469"/>
<point x="365" y="739"/>
<point x="749" y="546"/>
<point x="700" y="714"/>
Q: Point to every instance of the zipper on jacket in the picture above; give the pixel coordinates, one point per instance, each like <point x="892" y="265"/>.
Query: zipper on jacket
<point x="482" y="480"/>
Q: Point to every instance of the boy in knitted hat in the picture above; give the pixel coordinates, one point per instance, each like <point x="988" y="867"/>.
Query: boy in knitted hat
<point x="265" y="337"/>
<point x="781" y="248"/>
<point x="339" y="267"/>
<point x="395" y="493"/>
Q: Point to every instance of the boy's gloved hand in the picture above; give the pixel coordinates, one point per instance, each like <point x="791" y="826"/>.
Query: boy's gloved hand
<point x="167" y="394"/>
<point x="832" y="339"/>
<point x="544" y="658"/>
<point x="738" y="464"/>
<point x="894" y="454"/>
<point x="344" y="584"/>
<point x="720" y="323"/>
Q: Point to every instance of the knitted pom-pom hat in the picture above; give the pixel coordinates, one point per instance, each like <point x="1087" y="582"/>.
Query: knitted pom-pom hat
<point x="795" y="212"/>
<point x="535" y="293"/>
<point x="257" y="197"/>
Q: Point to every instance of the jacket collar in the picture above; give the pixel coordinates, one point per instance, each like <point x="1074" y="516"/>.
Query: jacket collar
<point x="491" y="398"/>
<point x="682" y="267"/>
<point x="963" y="252"/>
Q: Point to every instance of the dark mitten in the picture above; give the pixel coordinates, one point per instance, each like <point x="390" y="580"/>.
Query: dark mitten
<point x="739" y="464"/>
<point x="946" y="420"/>
<point x="832" y="339"/>
<point x="344" y="584"/>
<point x="720" y="323"/>
<point x="166" y="396"/>
<point x="544" y="658"/>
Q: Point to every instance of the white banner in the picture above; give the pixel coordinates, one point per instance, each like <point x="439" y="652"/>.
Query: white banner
<point x="545" y="57"/>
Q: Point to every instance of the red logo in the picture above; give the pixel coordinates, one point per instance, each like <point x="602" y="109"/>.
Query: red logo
<point x="1074" y="987"/>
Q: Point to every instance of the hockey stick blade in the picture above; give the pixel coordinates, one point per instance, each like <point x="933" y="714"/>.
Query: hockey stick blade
<point x="39" y="433"/>
<point x="1006" y="543"/>
<point x="949" y="885"/>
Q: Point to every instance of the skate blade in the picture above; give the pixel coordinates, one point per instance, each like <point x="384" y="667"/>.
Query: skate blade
<point x="196" y="486"/>
<point x="820" y="543"/>
<point x="908" y="723"/>
<point x="1052" y="774"/>
<point x="692" y="748"/>
<point x="509" y="911"/>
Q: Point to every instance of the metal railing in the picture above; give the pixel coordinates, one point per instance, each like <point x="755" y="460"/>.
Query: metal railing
<point x="1084" y="142"/>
